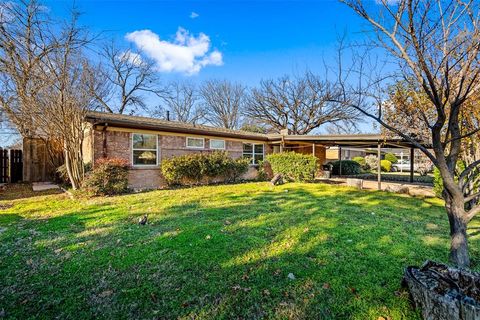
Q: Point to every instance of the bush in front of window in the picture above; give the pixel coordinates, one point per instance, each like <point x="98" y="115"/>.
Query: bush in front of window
<point x="109" y="176"/>
<point x="203" y="168"/>
<point x="293" y="166"/>
<point x="349" y="167"/>
<point x="361" y="161"/>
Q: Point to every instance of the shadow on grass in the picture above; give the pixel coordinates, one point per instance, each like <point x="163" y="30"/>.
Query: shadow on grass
<point x="16" y="191"/>
<point x="226" y="254"/>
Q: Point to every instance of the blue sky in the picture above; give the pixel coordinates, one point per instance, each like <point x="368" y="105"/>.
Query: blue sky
<point x="256" y="39"/>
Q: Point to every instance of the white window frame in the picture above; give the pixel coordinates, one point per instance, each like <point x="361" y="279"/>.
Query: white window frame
<point x="157" y="151"/>
<point x="253" y="151"/>
<point x="224" y="144"/>
<point x="189" y="147"/>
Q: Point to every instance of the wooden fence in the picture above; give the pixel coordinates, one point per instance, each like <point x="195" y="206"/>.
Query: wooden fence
<point x="11" y="165"/>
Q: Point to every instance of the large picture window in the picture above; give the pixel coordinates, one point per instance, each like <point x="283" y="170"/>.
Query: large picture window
<point x="254" y="152"/>
<point x="145" y="149"/>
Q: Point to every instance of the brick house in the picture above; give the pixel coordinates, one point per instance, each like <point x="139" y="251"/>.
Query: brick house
<point x="144" y="142"/>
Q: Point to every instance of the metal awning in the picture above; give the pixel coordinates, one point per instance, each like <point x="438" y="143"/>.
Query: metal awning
<point x="376" y="141"/>
<point x="349" y="140"/>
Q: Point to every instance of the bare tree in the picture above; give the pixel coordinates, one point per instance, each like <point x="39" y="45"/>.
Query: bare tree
<point x="252" y="125"/>
<point x="342" y="128"/>
<point x="25" y="41"/>
<point x="436" y="45"/>
<point x="299" y="104"/>
<point x="404" y="108"/>
<point x="224" y="102"/>
<point x="66" y="97"/>
<point x="130" y="78"/>
<point x="45" y="78"/>
<point x="64" y="105"/>
<point x="182" y="100"/>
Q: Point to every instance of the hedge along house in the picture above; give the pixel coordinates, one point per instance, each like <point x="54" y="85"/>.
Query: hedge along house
<point x="144" y="142"/>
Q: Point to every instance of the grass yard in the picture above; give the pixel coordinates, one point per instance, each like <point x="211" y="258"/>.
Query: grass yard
<point x="217" y="252"/>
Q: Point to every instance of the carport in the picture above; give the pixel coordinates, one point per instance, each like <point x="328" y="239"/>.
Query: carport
<point x="378" y="141"/>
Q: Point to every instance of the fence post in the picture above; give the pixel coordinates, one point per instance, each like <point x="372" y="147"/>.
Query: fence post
<point x="3" y="165"/>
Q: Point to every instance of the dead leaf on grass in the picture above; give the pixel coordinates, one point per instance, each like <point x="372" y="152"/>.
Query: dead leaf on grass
<point x="105" y="293"/>
<point x="153" y="297"/>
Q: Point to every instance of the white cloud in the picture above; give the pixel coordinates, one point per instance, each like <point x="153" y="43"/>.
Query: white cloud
<point x="186" y="53"/>
<point x="194" y="15"/>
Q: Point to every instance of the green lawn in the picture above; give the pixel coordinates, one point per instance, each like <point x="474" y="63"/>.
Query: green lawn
<point x="217" y="252"/>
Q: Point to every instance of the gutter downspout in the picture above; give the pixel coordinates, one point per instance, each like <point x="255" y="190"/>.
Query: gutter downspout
<point x="104" y="140"/>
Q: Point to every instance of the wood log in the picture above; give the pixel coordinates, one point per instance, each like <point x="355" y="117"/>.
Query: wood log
<point x="277" y="179"/>
<point x="397" y="189"/>
<point x="357" y="183"/>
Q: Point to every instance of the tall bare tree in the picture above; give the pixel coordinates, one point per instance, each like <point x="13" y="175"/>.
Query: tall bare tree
<point x="436" y="45"/>
<point x="64" y="104"/>
<point x="405" y="108"/>
<point x="26" y="40"/>
<point x="224" y="102"/>
<point x="300" y="104"/>
<point x="182" y="100"/>
<point x="130" y="79"/>
<point x="45" y="78"/>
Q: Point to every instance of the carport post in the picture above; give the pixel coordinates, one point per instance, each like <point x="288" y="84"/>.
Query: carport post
<point x="412" y="160"/>
<point x="340" y="159"/>
<point x="379" y="167"/>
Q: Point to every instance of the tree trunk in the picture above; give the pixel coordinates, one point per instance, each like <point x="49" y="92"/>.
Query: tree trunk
<point x="74" y="165"/>
<point x="458" y="233"/>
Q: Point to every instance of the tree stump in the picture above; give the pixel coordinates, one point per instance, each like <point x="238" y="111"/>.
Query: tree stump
<point x="277" y="179"/>
<point x="444" y="293"/>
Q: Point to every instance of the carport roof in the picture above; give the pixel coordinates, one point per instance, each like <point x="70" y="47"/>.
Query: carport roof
<point x="350" y="140"/>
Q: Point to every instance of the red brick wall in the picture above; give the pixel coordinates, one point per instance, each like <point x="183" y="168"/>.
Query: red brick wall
<point x="118" y="145"/>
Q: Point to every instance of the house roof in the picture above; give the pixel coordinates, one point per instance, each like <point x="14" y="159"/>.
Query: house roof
<point x="346" y="140"/>
<point x="136" y="122"/>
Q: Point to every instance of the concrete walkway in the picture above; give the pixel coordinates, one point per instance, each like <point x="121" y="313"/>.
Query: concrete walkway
<point x="414" y="189"/>
<point x="42" y="186"/>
